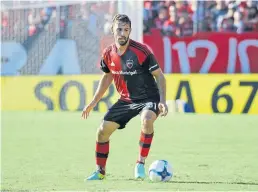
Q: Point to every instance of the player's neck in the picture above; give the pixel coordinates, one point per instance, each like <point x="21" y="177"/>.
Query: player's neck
<point x="121" y="49"/>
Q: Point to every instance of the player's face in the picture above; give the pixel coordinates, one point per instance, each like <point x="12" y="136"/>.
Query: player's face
<point x="121" y="32"/>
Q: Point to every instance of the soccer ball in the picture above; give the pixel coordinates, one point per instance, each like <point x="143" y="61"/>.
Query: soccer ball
<point x="160" y="170"/>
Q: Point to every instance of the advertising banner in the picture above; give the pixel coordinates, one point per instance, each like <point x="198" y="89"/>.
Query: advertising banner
<point x="204" y="94"/>
<point x="205" y="52"/>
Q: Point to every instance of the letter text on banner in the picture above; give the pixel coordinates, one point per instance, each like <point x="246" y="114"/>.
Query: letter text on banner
<point x="213" y="93"/>
<point x="205" y="52"/>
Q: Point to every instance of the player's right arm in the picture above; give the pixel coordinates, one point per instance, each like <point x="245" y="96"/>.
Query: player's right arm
<point x="104" y="83"/>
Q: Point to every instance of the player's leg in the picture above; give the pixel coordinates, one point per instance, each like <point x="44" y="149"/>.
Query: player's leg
<point x="116" y="118"/>
<point x="102" y="148"/>
<point x="102" y="143"/>
<point x="148" y="116"/>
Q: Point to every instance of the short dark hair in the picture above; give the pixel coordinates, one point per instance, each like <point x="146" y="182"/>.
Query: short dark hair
<point x="122" y="18"/>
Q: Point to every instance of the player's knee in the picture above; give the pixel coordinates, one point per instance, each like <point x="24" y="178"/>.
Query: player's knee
<point x="147" y="125"/>
<point x="105" y="130"/>
<point x="102" y="134"/>
<point x="148" y="119"/>
<point x="147" y="122"/>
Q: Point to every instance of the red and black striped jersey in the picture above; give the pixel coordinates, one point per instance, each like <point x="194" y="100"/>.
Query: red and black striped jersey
<point x="132" y="71"/>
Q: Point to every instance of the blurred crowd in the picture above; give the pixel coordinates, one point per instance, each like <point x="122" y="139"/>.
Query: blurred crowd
<point x="183" y="18"/>
<point x="38" y="25"/>
<point x="96" y="15"/>
<point x="29" y="21"/>
<point x="179" y="18"/>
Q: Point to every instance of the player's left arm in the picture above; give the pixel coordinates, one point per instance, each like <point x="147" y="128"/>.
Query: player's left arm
<point x="161" y="82"/>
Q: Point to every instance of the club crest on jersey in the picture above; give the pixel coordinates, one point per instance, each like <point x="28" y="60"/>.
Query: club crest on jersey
<point x="129" y="63"/>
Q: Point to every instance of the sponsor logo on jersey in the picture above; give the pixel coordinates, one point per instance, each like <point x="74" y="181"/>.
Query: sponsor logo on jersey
<point x="124" y="72"/>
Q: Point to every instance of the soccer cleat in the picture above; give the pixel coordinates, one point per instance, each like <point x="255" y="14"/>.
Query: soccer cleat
<point x="139" y="171"/>
<point x="96" y="176"/>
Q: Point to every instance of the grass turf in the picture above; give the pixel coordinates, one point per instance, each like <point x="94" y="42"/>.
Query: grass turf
<point x="55" y="151"/>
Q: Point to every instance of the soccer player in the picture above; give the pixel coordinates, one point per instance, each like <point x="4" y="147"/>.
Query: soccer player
<point x="142" y="88"/>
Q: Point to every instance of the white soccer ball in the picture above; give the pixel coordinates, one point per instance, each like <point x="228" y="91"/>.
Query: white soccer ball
<point x="160" y="170"/>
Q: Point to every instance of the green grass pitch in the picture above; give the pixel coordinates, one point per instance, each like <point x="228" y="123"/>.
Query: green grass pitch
<point x="55" y="150"/>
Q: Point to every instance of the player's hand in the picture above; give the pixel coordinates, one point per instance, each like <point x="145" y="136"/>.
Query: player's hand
<point x="163" y="108"/>
<point x="86" y="110"/>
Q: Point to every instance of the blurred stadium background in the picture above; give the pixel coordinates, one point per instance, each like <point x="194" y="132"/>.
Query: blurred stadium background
<point x="55" y="38"/>
<point x="50" y="52"/>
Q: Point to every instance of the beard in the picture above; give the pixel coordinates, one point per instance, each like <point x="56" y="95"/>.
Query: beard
<point x="122" y="43"/>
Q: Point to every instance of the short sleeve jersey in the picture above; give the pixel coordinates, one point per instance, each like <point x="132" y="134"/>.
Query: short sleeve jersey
<point x="132" y="71"/>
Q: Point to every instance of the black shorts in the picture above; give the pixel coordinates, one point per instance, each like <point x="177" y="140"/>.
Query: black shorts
<point x="122" y="112"/>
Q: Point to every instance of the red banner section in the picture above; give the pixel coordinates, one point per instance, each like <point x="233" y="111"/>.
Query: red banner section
<point x="205" y="52"/>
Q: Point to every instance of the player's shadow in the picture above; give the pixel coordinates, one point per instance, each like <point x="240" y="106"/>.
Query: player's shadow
<point x="214" y="182"/>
